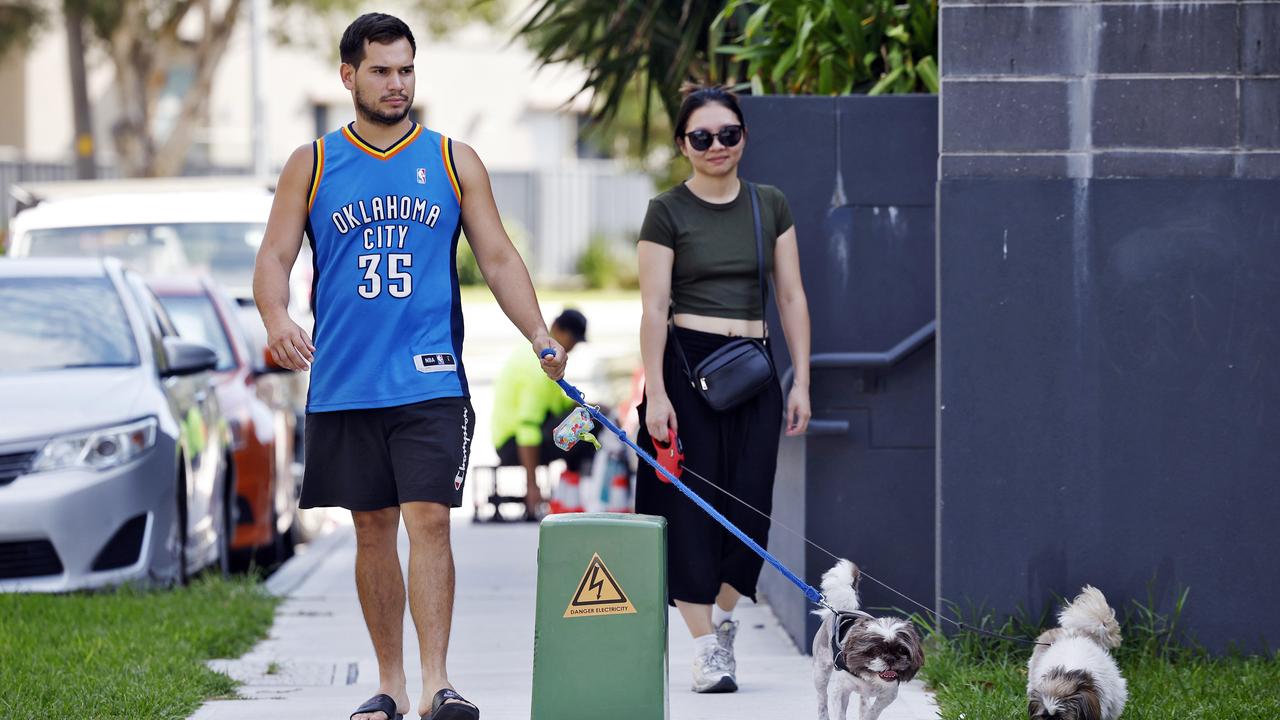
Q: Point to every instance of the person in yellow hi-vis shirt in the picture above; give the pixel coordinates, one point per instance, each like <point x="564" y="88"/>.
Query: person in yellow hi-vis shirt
<point x="528" y="406"/>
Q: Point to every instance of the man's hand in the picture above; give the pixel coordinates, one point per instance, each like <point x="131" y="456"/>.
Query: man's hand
<point x="552" y="365"/>
<point x="290" y="345"/>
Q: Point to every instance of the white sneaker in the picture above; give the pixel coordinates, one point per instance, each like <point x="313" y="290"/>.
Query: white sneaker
<point x="725" y="633"/>
<point x="713" y="671"/>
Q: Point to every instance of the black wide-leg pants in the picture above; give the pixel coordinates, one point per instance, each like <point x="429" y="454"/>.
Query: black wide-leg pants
<point x="738" y="451"/>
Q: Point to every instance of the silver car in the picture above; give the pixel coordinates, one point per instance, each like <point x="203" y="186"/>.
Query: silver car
<point x="113" y="453"/>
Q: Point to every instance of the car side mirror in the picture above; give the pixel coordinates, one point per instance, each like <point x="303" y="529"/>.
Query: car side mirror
<point x="187" y="358"/>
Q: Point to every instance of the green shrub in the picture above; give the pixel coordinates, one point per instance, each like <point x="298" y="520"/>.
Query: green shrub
<point x="832" y="47"/>
<point x="602" y="265"/>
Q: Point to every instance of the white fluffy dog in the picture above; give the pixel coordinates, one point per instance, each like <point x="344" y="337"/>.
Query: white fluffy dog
<point x="1075" y="677"/>
<point x="855" y="652"/>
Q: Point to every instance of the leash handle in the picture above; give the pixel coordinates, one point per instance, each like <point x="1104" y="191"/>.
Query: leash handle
<point x="576" y="395"/>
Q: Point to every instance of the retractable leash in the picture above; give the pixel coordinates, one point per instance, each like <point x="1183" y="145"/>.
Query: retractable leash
<point x="584" y="432"/>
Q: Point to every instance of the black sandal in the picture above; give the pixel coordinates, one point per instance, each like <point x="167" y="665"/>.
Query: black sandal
<point x="380" y="703"/>
<point x="460" y="709"/>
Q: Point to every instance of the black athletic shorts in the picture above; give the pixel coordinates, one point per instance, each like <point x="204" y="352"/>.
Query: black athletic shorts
<point x="384" y="457"/>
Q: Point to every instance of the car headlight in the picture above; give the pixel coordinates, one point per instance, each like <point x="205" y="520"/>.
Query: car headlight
<point x="97" y="449"/>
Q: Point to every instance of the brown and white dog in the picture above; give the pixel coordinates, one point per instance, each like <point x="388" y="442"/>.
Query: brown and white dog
<point x="856" y="652"/>
<point x="1073" y="676"/>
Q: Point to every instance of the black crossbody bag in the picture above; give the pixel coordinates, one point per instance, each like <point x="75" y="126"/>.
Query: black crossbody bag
<point x="739" y="370"/>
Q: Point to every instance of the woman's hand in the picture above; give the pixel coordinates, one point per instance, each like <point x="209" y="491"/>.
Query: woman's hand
<point x="798" y="411"/>
<point x="658" y="416"/>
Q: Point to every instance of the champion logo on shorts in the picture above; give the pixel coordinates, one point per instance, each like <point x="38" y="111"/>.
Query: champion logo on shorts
<point x="466" y="442"/>
<point x="435" y="362"/>
<point x="422" y="176"/>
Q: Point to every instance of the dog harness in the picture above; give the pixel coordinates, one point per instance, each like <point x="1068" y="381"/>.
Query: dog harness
<point x="844" y="623"/>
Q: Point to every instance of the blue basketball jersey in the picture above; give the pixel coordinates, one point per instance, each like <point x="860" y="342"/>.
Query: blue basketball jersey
<point x="384" y="227"/>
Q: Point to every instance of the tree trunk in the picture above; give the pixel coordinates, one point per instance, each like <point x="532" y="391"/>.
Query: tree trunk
<point x="86" y="162"/>
<point x="143" y="55"/>
<point x="172" y="154"/>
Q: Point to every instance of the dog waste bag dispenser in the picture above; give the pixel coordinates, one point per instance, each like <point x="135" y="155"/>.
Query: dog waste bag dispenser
<point x="600" y="639"/>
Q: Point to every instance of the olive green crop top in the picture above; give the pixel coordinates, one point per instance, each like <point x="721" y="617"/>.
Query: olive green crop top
<point x="714" y="270"/>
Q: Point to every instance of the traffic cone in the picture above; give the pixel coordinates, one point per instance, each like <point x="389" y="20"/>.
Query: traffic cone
<point x="567" y="497"/>
<point x="620" y="494"/>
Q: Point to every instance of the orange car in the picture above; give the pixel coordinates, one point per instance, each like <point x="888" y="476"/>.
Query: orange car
<point x="254" y="395"/>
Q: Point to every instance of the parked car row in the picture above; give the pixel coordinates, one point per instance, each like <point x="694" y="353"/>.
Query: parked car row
<point x="114" y="457"/>
<point x="144" y="432"/>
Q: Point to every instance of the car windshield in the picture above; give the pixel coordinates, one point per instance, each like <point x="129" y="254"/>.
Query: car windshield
<point x="53" y="323"/>
<point x="224" y="250"/>
<point x="198" y="321"/>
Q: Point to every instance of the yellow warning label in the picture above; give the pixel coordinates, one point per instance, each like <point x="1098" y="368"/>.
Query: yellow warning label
<point x="598" y="594"/>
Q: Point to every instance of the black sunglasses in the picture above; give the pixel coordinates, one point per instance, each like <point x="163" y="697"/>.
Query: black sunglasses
<point x="700" y="140"/>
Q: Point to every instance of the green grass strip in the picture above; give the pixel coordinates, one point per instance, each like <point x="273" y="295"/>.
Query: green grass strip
<point x="1169" y="675"/>
<point x="126" y="653"/>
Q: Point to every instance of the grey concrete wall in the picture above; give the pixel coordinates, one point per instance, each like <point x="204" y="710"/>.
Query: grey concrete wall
<point x="1110" y="89"/>
<point x="1109" y="268"/>
<point x="859" y="174"/>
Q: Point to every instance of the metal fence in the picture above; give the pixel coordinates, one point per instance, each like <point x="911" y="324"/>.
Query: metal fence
<point x="553" y="215"/>
<point x="15" y="172"/>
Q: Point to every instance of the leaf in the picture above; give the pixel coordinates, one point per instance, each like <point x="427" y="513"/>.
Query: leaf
<point x="885" y="82"/>
<point x="826" y="76"/>
<point x="805" y="29"/>
<point x="750" y="53"/>
<point x="927" y="69"/>
<point x="784" y="64"/>
<point x="755" y="21"/>
<point x="848" y="23"/>
<point x="729" y="9"/>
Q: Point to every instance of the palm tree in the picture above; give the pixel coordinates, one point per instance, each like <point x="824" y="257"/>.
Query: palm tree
<point x="647" y="46"/>
<point x="825" y="47"/>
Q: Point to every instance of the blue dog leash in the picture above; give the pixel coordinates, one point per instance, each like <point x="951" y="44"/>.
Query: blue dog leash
<point x="576" y="395"/>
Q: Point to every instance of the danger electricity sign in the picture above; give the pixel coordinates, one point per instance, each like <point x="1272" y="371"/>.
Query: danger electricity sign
<point x="598" y="594"/>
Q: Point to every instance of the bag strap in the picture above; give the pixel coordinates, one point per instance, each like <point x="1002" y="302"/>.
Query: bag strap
<point x="764" y="286"/>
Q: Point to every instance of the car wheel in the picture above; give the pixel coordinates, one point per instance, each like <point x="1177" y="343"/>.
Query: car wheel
<point x="178" y="533"/>
<point x="226" y="526"/>
<point x="273" y="553"/>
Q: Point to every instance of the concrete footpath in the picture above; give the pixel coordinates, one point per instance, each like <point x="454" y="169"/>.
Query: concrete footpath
<point x="318" y="662"/>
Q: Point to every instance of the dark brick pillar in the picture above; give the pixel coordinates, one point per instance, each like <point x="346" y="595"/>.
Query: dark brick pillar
<point x="1109" y="278"/>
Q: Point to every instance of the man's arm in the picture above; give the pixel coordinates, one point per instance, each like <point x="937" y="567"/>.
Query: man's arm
<point x="503" y="270"/>
<point x="289" y="344"/>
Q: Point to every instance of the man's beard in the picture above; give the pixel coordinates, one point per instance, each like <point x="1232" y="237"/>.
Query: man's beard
<point x="374" y="115"/>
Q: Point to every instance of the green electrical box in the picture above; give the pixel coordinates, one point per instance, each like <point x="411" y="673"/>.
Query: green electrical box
<point x="600" y="638"/>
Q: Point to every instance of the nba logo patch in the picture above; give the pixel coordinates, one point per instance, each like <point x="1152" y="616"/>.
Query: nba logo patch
<point x="422" y="176"/>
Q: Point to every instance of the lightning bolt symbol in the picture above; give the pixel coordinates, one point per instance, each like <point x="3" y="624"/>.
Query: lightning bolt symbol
<point x="597" y="585"/>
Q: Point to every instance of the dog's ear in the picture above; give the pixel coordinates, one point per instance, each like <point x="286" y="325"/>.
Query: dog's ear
<point x="1085" y="701"/>
<point x="910" y="639"/>
<point x="857" y="574"/>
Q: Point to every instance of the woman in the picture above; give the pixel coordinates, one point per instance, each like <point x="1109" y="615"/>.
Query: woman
<point x="699" y="268"/>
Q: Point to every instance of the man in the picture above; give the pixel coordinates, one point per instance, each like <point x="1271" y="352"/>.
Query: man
<point x="526" y="409"/>
<point x="389" y="420"/>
